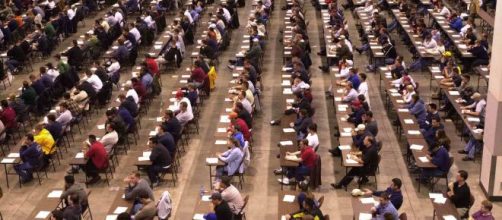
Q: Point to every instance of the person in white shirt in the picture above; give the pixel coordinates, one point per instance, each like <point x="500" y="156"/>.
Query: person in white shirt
<point x="149" y="21"/>
<point x="52" y="72"/>
<point x="70" y="13"/>
<point x="110" y="138"/>
<point x="467" y="25"/>
<point x="443" y="10"/>
<point x="226" y="14"/>
<point x="188" y="16"/>
<point x="363" y="87"/>
<point x="134" y="31"/>
<point x="184" y="116"/>
<point x="477" y="107"/>
<point x="430" y="44"/>
<point x="119" y="17"/>
<point x="245" y="102"/>
<point x="408" y="93"/>
<point x="64" y="116"/>
<point x="131" y="92"/>
<point x="114" y="66"/>
<point x="350" y="93"/>
<point x="312" y="136"/>
<point x="298" y="85"/>
<point x="94" y="80"/>
<point x="230" y="194"/>
<point x="179" y="98"/>
<point x="180" y="44"/>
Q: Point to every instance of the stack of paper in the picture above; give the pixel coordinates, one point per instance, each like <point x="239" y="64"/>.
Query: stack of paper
<point x="346" y="134"/>
<point x="365" y="216"/>
<point x="55" y="194"/>
<point x="423" y="159"/>
<point x="416" y="147"/>
<point x="288" y="198"/>
<point x="286" y="143"/>
<point x="212" y="160"/>
<point x="344" y="147"/>
<point x="8" y="160"/>
<point x="473" y="119"/>
<point x="79" y="155"/>
<point x="288" y="130"/>
<point x="286" y="83"/>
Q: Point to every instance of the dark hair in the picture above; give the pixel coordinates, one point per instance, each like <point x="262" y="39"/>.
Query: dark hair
<point x="154" y="139"/>
<point x="309" y="202"/>
<point x="57" y="214"/>
<point x="51" y="117"/>
<point x="5" y="104"/>
<point x="363" y="76"/>
<point x="226" y="180"/>
<point x="74" y="199"/>
<point x="385" y="196"/>
<point x="92" y="137"/>
<point x="170" y="113"/>
<point x="397" y="182"/>
<point x="124" y="216"/>
<point x="369" y="114"/>
<point x="313" y="127"/>
<point x="463" y="174"/>
<point x="433" y="106"/>
<point x="30" y="137"/>
<point x="69" y="179"/>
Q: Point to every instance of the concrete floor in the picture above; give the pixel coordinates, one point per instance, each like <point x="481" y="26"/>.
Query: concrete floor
<point x="261" y="183"/>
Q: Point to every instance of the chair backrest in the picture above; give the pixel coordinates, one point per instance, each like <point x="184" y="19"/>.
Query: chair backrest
<point x="450" y="163"/>
<point x="374" y="169"/>
<point x="403" y="216"/>
<point x="246" y="199"/>
<point x="320" y="201"/>
<point x="379" y="146"/>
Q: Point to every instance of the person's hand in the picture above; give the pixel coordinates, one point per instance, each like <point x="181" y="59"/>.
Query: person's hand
<point x="287" y="216"/>
<point x="291" y="124"/>
<point x="449" y="193"/>
<point x="373" y="209"/>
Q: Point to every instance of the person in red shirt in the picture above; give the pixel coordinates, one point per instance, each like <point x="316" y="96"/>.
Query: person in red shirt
<point x="238" y="122"/>
<point x="198" y="75"/>
<point x="8" y="116"/>
<point x="151" y="64"/>
<point x="138" y="87"/>
<point x="97" y="159"/>
<point x="306" y="158"/>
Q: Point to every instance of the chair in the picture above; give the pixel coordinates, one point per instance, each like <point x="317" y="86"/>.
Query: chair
<point x="40" y="168"/>
<point x="320" y="201"/>
<point x="106" y="171"/>
<point x="86" y="214"/>
<point x="169" y="169"/>
<point x="435" y="179"/>
<point x="373" y="172"/>
<point x="471" y="203"/>
<point x="403" y="216"/>
<point x="242" y="213"/>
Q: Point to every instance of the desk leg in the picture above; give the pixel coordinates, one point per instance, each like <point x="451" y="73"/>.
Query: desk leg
<point x="282" y="177"/>
<point x="6" y="174"/>
<point x="433" y="214"/>
<point x="210" y="177"/>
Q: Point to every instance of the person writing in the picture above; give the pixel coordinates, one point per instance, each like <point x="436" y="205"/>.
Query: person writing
<point x="384" y="208"/>
<point x="394" y="192"/>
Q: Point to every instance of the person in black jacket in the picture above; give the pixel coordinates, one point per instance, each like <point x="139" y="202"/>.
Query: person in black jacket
<point x="480" y="53"/>
<point x="173" y="54"/>
<point x="160" y="158"/>
<point x="368" y="160"/>
<point x="75" y="55"/>
<point x="129" y="104"/>
<point x="459" y="193"/>
<point x="221" y="208"/>
<point x="87" y="87"/>
<point x="171" y="124"/>
<point x="16" y="56"/>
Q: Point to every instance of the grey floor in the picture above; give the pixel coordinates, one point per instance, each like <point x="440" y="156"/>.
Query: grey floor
<point x="261" y="183"/>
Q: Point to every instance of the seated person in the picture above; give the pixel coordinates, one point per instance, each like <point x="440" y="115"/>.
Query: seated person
<point x="369" y="160"/>
<point x="184" y="115"/>
<point x="485" y="213"/>
<point x="305" y="157"/>
<point x="459" y="193"/>
<point x="148" y="209"/>
<point x="30" y="154"/>
<point x="54" y="127"/>
<point x="71" y="188"/>
<point x="137" y="188"/>
<point x="221" y="208"/>
<point x="73" y="210"/>
<point x="430" y="132"/>
<point x="110" y="138"/>
<point x="309" y="210"/>
<point x="438" y="156"/>
<point x="385" y="207"/>
<point x="394" y="192"/>
<point x="97" y="159"/>
<point x="357" y="112"/>
<point x="477" y="107"/>
<point x="233" y="159"/>
<point x="160" y="158"/>
<point x="230" y="194"/>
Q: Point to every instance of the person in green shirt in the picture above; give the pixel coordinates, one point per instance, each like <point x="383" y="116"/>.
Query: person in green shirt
<point x="28" y="94"/>
<point x="49" y="30"/>
<point x="63" y="67"/>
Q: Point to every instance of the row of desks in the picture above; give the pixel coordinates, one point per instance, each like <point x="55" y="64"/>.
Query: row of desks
<point x="454" y="36"/>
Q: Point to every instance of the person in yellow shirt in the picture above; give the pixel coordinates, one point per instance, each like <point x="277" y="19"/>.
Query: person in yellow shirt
<point x="44" y="139"/>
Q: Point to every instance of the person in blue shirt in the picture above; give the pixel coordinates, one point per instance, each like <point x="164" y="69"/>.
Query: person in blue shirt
<point x="456" y="22"/>
<point x="232" y="158"/>
<point x="432" y="112"/>
<point x="30" y="154"/>
<point x="384" y="208"/>
<point x="394" y="192"/>
<point x="237" y="134"/>
<point x="146" y="79"/>
<point x="127" y="118"/>
<point x="54" y="127"/>
<point x="439" y="156"/>
<point x="417" y="108"/>
<point x="430" y="133"/>
<point x="354" y="78"/>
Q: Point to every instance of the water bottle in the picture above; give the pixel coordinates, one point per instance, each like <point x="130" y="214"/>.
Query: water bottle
<point x="202" y="191"/>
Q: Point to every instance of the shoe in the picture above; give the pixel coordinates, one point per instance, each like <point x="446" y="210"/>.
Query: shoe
<point x="278" y="171"/>
<point x="334" y="152"/>
<point x="363" y="180"/>
<point x="336" y="185"/>
<point x="155" y="184"/>
<point x="466" y="158"/>
<point x="284" y="181"/>
<point x="230" y="66"/>
<point x="93" y="180"/>
<point x="358" y="50"/>
<point x="462" y="152"/>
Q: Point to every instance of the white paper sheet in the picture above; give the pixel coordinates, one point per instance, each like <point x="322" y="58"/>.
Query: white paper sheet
<point x="221" y="130"/>
<point x="344" y="147"/>
<point x="111" y="217"/>
<point x="408" y="121"/>
<point x="143" y="158"/>
<point x="367" y="200"/>
<point x="55" y="194"/>
<point x="454" y="92"/>
<point x="473" y="119"/>
<point x="119" y="210"/>
<point x="423" y="159"/>
<point x="288" y="198"/>
<point x="79" y="155"/>
<point x="42" y="214"/>
<point x="220" y="142"/>
<point x="212" y="160"/>
<point x="288" y="130"/>
<point x="286" y="143"/>
<point x="416" y="147"/>
<point x="13" y="155"/>
<point x="414" y="132"/>
<point x="206" y="198"/>
<point x="198" y="216"/>
<point x="224" y="119"/>
<point x="101" y="127"/>
<point x="403" y="110"/>
<point x="8" y="160"/>
<point x="449" y="217"/>
<point x="147" y="154"/>
<point x="365" y="216"/>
